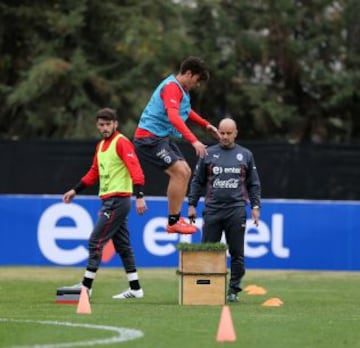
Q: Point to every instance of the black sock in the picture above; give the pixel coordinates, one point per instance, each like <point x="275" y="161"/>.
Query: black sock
<point x="89" y="277"/>
<point x="87" y="282"/>
<point x="173" y="219"/>
<point x="134" y="285"/>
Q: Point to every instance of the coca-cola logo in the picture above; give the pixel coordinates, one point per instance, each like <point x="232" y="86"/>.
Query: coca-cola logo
<point x="230" y="183"/>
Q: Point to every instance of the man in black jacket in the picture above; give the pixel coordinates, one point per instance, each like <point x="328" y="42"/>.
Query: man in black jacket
<point x="229" y="176"/>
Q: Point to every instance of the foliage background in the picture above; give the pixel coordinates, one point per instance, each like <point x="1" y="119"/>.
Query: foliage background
<point x="286" y="70"/>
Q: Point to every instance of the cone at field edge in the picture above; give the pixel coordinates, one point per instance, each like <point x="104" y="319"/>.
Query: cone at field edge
<point x="250" y="287"/>
<point x="273" y="302"/>
<point x="226" y="332"/>
<point x="256" y="290"/>
<point x="84" y="303"/>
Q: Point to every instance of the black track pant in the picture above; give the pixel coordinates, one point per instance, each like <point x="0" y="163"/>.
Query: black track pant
<point x="232" y="221"/>
<point x="112" y="224"/>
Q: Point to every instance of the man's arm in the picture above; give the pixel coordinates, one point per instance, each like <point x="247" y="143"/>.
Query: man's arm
<point x="194" y="117"/>
<point x="253" y="185"/>
<point x="92" y="176"/>
<point x="125" y="150"/>
<point x="197" y="185"/>
<point x="172" y="96"/>
<point x="254" y="190"/>
<point x="89" y="179"/>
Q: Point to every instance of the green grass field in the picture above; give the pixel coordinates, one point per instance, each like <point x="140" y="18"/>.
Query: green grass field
<point x="321" y="309"/>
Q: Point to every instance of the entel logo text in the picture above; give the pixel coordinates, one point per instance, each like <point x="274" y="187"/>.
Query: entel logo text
<point x="259" y="241"/>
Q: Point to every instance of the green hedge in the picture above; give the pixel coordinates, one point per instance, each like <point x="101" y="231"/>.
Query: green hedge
<point x="201" y="246"/>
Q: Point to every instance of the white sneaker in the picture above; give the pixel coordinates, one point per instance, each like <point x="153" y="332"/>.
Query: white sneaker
<point x="79" y="286"/>
<point x="129" y="293"/>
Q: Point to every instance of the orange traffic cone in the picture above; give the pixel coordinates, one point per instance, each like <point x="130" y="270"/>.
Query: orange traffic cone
<point x="84" y="303"/>
<point x="226" y="332"/>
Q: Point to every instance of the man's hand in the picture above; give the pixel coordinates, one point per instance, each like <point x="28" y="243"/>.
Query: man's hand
<point x="192" y="213"/>
<point x="213" y="131"/>
<point x="255" y="214"/>
<point x="200" y="149"/>
<point x="68" y="196"/>
<point x="140" y="206"/>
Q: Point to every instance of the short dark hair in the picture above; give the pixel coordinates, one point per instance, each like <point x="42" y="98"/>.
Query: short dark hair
<point x="197" y="66"/>
<point x="107" y="114"/>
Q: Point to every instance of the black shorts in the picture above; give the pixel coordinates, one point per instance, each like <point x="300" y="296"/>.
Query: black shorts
<point x="161" y="152"/>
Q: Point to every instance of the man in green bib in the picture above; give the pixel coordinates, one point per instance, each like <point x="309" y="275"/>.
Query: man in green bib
<point x="117" y="169"/>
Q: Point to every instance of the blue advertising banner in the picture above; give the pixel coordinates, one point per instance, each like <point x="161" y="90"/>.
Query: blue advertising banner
<point x="309" y="235"/>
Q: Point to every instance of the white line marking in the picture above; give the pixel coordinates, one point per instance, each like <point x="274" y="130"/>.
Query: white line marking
<point x="123" y="334"/>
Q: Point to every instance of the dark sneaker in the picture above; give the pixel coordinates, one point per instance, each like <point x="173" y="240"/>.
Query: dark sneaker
<point x="232" y="298"/>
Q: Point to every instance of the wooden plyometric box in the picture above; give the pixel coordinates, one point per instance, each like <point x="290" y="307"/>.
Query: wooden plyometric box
<point x="202" y="274"/>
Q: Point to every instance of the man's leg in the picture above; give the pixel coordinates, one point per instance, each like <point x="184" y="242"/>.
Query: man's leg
<point x="121" y="240"/>
<point x="212" y="228"/>
<point x="179" y="174"/>
<point x="166" y="155"/>
<point x="235" y="223"/>
<point x="103" y="231"/>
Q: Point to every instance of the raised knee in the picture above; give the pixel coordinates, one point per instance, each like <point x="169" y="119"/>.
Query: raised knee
<point x="182" y="170"/>
<point x="187" y="172"/>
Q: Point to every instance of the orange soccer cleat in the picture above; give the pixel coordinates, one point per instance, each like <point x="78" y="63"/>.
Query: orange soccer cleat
<point x="181" y="227"/>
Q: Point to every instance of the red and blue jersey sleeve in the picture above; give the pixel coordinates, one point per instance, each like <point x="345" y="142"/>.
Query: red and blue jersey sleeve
<point x="125" y="150"/>
<point x="92" y="176"/>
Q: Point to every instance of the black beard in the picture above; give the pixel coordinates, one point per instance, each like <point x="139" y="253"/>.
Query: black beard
<point x="108" y="136"/>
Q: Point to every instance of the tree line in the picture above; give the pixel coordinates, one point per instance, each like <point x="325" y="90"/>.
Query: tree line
<point x="285" y="70"/>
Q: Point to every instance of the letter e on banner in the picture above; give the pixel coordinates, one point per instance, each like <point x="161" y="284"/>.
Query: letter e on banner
<point x="49" y="233"/>
<point x="259" y="235"/>
<point x="259" y="240"/>
<point x="277" y="244"/>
